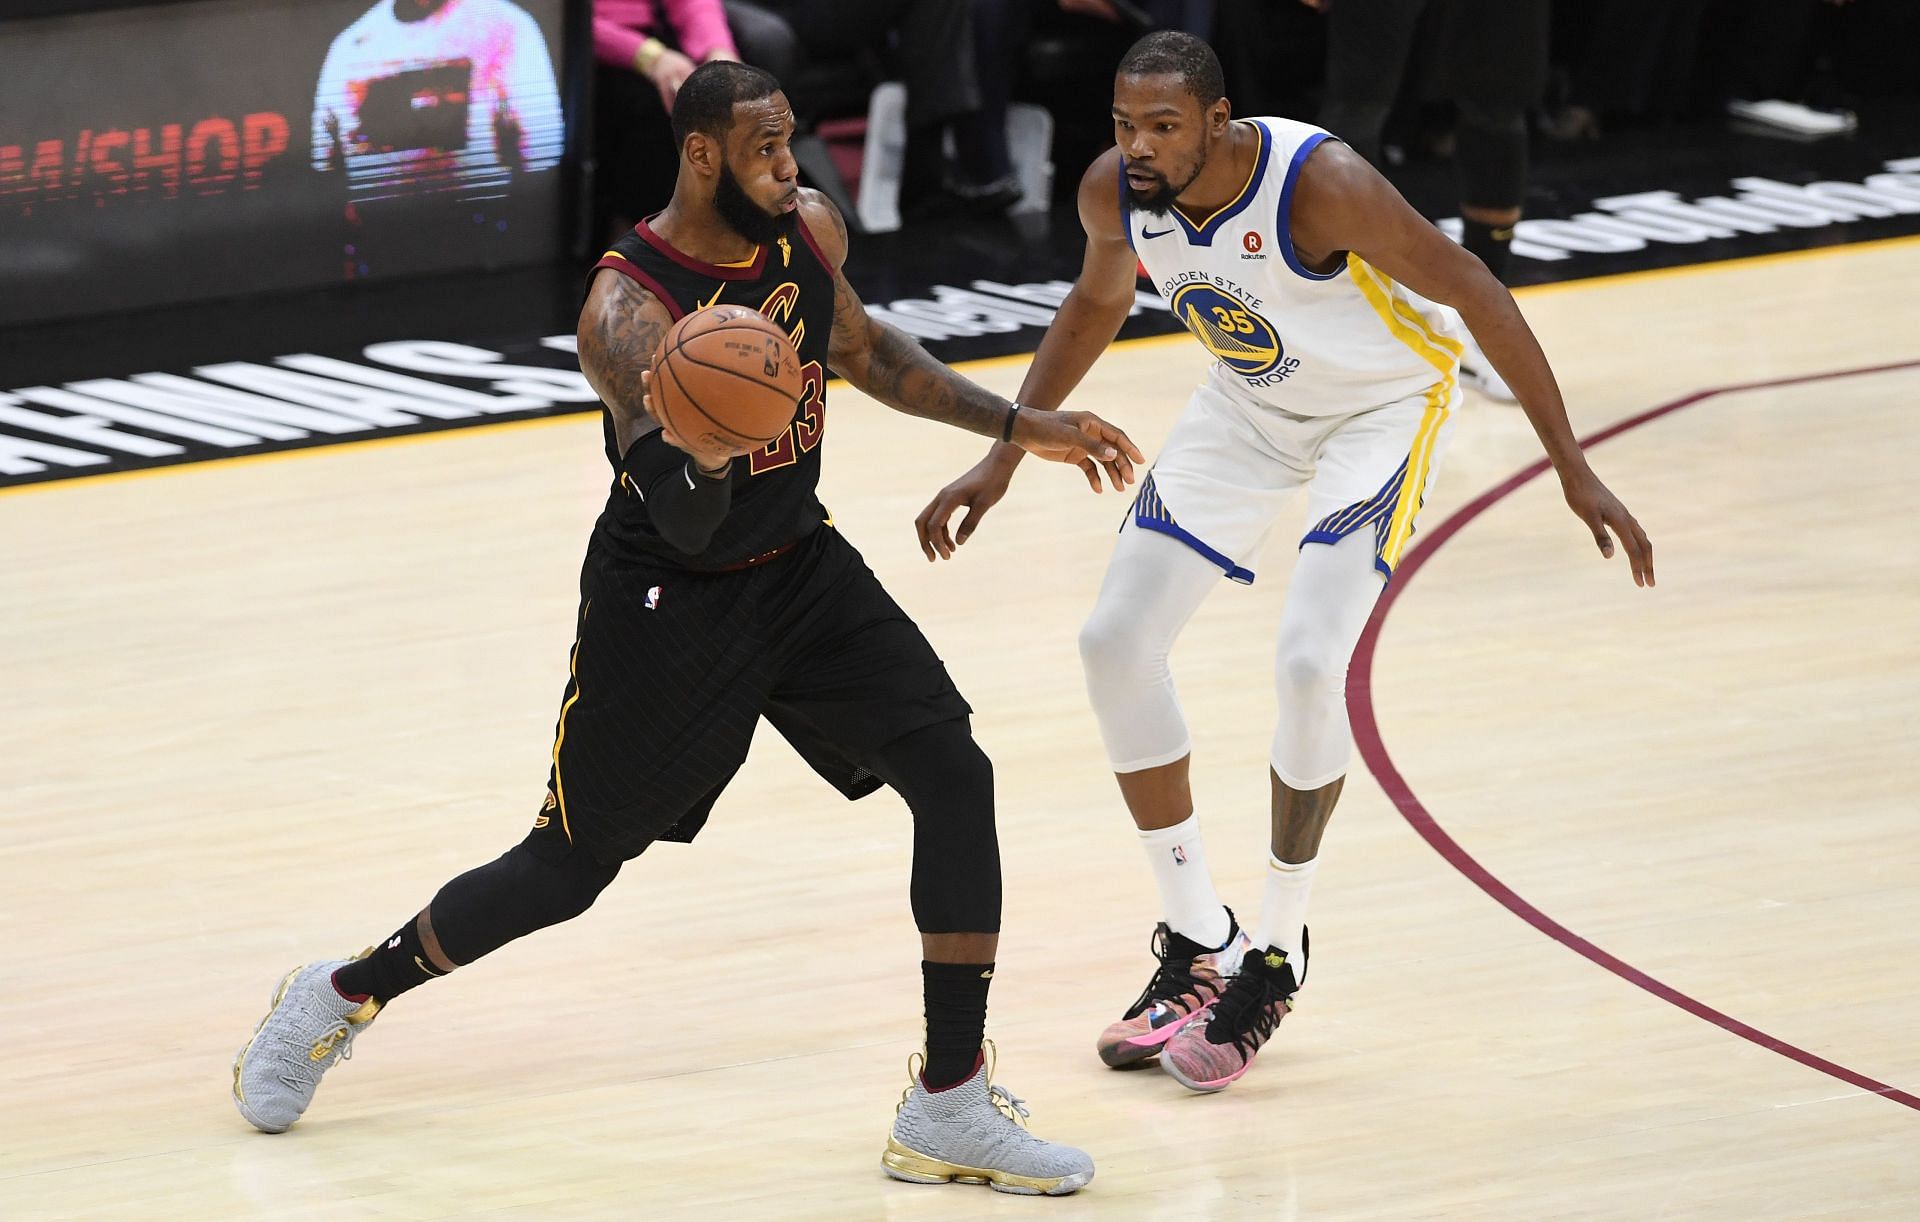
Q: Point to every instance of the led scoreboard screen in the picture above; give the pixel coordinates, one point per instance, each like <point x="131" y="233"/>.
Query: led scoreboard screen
<point x="222" y="147"/>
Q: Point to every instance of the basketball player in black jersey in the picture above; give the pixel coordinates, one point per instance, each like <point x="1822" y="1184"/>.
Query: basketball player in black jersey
<point x="716" y="593"/>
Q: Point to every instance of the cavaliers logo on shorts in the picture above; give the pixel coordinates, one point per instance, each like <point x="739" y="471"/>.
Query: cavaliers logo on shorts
<point x="1229" y="328"/>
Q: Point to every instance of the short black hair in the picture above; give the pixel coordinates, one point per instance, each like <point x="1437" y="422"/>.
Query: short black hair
<point x="706" y="98"/>
<point x="1173" y="53"/>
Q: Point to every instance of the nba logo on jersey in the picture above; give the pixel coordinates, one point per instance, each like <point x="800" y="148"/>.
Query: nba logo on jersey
<point x="653" y="597"/>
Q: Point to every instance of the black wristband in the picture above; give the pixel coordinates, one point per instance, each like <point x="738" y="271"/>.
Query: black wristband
<point x="1006" y="430"/>
<point x="711" y="477"/>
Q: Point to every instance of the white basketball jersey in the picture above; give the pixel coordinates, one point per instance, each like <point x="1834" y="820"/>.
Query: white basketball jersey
<point x="1309" y="343"/>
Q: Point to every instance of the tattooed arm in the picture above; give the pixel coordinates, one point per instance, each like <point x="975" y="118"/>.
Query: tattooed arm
<point x="620" y="332"/>
<point x="883" y="360"/>
<point x="888" y="365"/>
<point x="686" y="493"/>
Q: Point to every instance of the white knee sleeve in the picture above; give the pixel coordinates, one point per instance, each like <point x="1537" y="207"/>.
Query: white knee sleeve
<point x="1152" y="588"/>
<point x="1333" y="592"/>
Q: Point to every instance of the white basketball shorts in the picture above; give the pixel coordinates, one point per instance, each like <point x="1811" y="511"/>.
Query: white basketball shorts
<point x="1232" y="462"/>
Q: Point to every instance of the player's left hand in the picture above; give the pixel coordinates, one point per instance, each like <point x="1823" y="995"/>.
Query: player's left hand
<point x="1081" y="438"/>
<point x="1602" y="511"/>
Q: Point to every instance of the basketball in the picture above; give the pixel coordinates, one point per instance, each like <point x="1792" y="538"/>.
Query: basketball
<point x="727" y="377"/>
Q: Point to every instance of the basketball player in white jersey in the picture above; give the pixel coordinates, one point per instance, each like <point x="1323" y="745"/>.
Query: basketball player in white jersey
<point x="1335" y="313"/>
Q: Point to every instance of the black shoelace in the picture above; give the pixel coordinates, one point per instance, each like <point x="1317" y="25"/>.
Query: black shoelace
<point x="1250" y="1005"/>
<point x="1174" y="976"/>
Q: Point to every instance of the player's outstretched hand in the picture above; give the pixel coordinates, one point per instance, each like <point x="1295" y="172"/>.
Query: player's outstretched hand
<point x="1081" y="438"/>
<point x="1602" y="511"/>
<point x="979" y="490"/>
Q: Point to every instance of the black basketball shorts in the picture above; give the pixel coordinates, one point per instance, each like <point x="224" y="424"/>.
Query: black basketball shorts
<point x="672" y="671"/>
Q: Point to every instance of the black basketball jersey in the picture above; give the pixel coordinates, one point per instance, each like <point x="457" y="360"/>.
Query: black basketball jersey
<point x="774" y="502"/>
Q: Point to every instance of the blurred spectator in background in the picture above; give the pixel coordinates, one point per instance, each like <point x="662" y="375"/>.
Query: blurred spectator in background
<point x="929" y="46"/>
<point x="643" y="50"/>
<point x="1626" y="60"/>
<point x="984" y="178"/>
<point x="1488" y="56"/>
<point x="1768" y="53"/>
<point x="1274" y="55"/>
<point x="1779" y="67"/>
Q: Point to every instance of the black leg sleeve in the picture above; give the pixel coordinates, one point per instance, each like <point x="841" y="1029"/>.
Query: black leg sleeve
<point x="948" y="783"/>
<point x="530" y="886"/>
<point x="511" y="896"/>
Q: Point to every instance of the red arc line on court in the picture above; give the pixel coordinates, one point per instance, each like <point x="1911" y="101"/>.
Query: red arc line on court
<point x="1366" y="733"/>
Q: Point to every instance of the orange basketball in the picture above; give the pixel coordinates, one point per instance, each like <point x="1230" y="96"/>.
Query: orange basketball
<point x="726" y="377"/>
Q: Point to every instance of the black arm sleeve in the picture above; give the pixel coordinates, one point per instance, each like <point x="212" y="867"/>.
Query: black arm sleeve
<point x="684" y="506"/>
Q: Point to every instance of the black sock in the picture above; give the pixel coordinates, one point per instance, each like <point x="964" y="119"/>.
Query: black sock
<point x="956" y="1020"/>
<point x="390" y="969"/>
<point x="1492" y="243"/>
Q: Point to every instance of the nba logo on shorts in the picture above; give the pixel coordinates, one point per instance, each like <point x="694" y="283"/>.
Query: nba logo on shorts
<point x="653" y="597"/>
<point x="1179" y="856"/>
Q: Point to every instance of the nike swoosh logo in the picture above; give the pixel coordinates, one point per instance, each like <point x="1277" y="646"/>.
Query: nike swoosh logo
<point x="1148" y="233"/>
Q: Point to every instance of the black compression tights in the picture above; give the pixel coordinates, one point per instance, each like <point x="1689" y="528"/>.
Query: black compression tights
<point x="941" y="772"/>
<point x="947" y="781"/>
<point x="513" y="895"/>
<point x="522" y="890"/>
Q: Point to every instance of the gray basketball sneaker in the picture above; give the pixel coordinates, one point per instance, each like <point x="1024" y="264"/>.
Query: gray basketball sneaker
<point x="309" y="1029"/>
<point x="974" y="1133"/>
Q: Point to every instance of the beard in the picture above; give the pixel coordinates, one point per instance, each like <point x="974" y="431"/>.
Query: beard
<point x="745" y="217"/>
<point x="1159" y="201"/>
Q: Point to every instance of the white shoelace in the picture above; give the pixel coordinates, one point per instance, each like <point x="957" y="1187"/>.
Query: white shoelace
<point x="299" y="1063"/>
<point x="1011" y="1105"/>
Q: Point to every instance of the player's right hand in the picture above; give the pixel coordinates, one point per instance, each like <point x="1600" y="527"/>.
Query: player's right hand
<point x="976" y="492"/>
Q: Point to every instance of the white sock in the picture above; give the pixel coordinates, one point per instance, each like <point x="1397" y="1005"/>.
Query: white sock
<point x="1187" y="897"/>
<point x="1283" y="913"/>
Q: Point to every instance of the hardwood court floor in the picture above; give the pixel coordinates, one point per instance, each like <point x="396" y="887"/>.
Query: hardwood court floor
<point x="256" y="712"/>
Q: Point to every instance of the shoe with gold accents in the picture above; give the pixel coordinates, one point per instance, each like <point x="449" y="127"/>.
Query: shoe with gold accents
<point x="976" y="1133"/>
<point x="309" y="1029"/>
